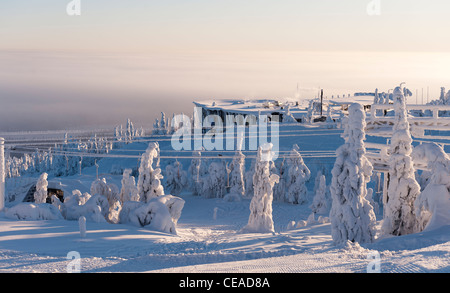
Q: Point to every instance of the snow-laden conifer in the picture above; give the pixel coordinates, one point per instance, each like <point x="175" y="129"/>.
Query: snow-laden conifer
<point x="352" y="217"/>
<point x="403" y="189"/>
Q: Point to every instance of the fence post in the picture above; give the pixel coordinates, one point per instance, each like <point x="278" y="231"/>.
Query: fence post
<point x="2" y="173"/>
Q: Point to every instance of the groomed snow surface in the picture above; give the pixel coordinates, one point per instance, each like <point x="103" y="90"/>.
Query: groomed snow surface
<point x="208" y="235"/>
<point x="208" y="241"/>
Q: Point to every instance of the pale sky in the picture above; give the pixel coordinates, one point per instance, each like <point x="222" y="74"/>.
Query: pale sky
<point x="135" y="58"/>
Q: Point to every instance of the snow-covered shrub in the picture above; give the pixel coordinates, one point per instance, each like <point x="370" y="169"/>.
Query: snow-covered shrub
<point x="311" y="219"/>
<point x="352" y="217"/>
<point x="260" y="219"/>
<point x="111" y="192"/>
<point x="149" y="180"/>
<point x="432" y="206"/>
<point x="174" y="204"/>
<point x="301" y="223"/>
<point x="298" y="175"/>
<point x="320" y="204"/>
<point x="40" y="195"/>
<point x="215" y="183"/>
<point x="95" y="209"/>
<point x="291" y="225"/>
<point x="403" y="189"/>
<point x="159" y="214"/>
<point x="176" y="178"/>
<point x="33" y="212"/>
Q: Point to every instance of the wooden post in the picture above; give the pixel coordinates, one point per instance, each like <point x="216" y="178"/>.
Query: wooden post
<point x="321" y="102"/>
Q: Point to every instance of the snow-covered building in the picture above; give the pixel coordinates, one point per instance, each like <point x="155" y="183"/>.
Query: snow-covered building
<point x="235" y="107"/>
<point x="365" y="99"/>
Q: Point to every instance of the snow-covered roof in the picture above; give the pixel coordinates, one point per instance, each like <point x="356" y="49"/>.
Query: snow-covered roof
<point x="262" y="106"/>
<point x="362" y="99"/>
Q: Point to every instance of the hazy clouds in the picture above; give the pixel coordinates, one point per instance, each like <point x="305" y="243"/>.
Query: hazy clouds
<point x="54" y="90"/>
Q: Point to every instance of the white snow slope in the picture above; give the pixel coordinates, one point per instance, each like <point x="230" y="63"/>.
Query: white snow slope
<point x="208" y="237"/>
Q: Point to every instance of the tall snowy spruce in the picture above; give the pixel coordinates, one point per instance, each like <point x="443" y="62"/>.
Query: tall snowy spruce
<point x="298" y="175"/>
<point x="402" y="187"/>
<point x="129" y="191"/>
<point x="149" y="180"/>
<point x="40" y="196"/>
<point x="432" y="206"/>
<point x="260" y="220"/>
<point x="237" y="169"/>
<point x="352" y="217"/>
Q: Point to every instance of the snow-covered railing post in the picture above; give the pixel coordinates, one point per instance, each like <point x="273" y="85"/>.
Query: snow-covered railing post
<point x="2" y="173"/>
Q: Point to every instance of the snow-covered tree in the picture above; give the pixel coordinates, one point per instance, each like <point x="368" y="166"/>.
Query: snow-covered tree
<point x="197" y="170"/>
<point x="156" y="127"/>
<point x="176" y="178"/>
<point x="149" y="180"/>
<point x="279" y="189"/>
<point x="163" y="125"/>
<point x="403" y="189"/>
<point x="237" y="184"/>
<point x="215" y="183"/>
<point x="352" y="217"/>
<point x="248" y="179"/>
<point x="298" y="175"/>
<point x="260" y="219"/>
<point x="40" y="195"/>
<point x="432" y="206"/>
<point x="320" y="204"/>
<point x="129" y="191"/>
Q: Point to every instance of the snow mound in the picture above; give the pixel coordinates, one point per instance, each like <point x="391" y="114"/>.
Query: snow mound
<point x="33" y="212"/>
<point x="159" y="214"/>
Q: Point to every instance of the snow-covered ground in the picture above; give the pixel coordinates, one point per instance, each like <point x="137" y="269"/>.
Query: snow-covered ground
<point x="212" y="244"/>
<point x="208" y="233"/>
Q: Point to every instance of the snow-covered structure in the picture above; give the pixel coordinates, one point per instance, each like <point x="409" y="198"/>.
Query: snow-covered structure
<point x="40" y="195"/>
<point x="260" y="219"/>
<point x="149" y="180"/>
<point x="402" y="187"/>
<point x="352" y="217"/>
<point x="432" y="206"/>
<point x="298" y="175"/>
